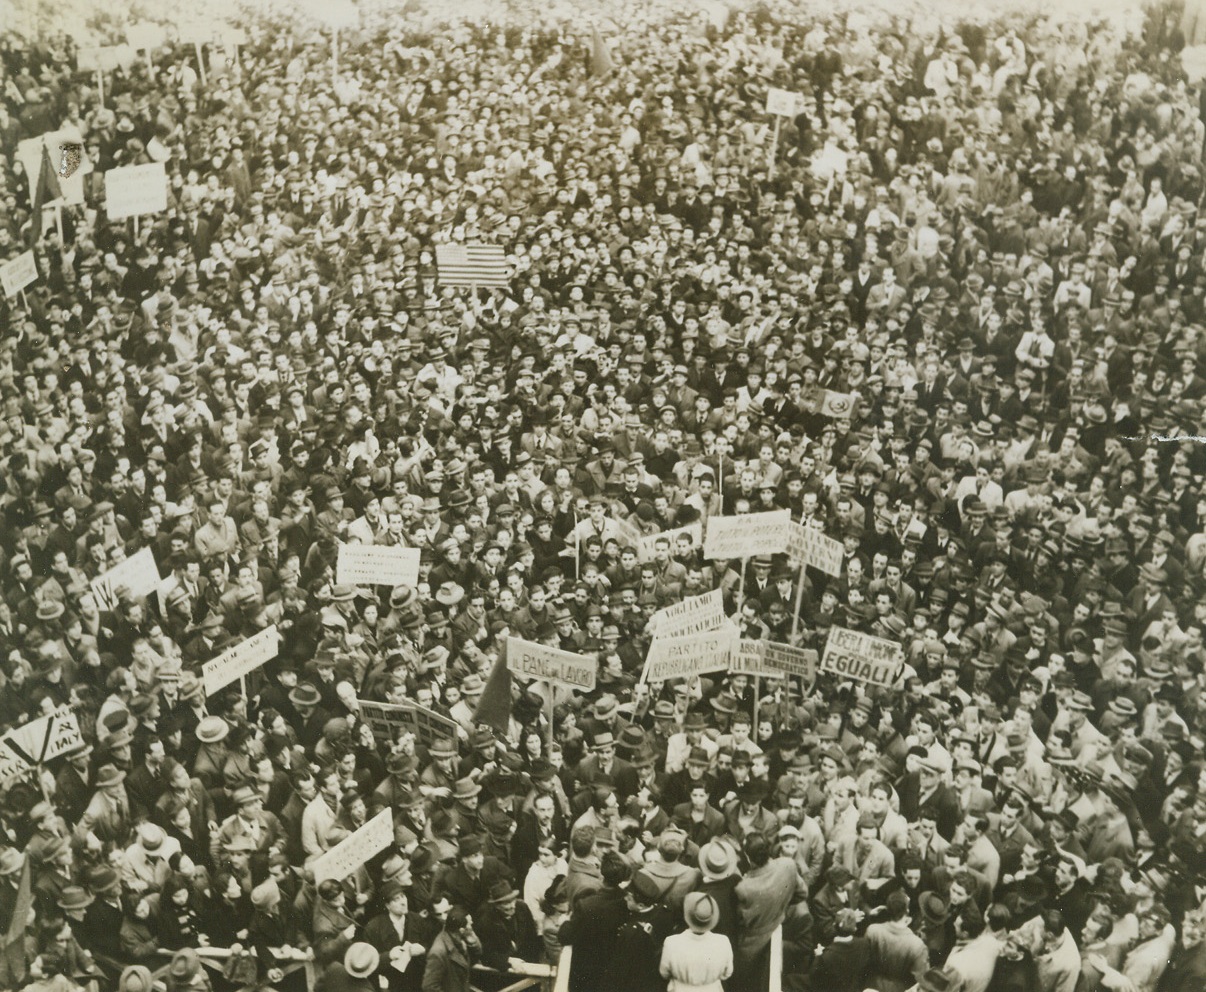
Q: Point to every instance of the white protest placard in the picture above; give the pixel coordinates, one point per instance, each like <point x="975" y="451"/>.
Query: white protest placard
<point x="748" y="534"/>
<point x="782" y="103"/>
<point x="244" y="657"/>
<point x="377" y="564"/>
<point x="138" y="573"/>
<point x="535" y="661"/>
<point x="630" y="533"/>
<point x="693" y="654"/>
<point x="353" y="851"/>
<point x="388" y="720"/>
<point x="809" y="546"/>
<point x="38" y="741"/>
<point x="132" y="190"/>
<point x="855" y="655"/>
<point x="748" y="658"/>
<point x="105" y="58"/>
<point x="146" y="35"/>
<point x="17" y="273"/>
<point x="29" y="154"/>
<point x="692" y="615"/>
<point x="647" y="546"/>
<point x="787" y="659"/>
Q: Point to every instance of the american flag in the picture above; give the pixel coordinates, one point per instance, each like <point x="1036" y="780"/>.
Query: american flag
<point x="472" y="265"/>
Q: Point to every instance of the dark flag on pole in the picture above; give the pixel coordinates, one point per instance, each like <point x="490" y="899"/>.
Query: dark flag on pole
<point x="47" y="191"/>
<point x="494" y="708"/>
<point x="601" y="62"/>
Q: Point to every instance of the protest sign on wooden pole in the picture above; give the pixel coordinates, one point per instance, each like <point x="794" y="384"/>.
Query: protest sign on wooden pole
<point x="236" y="662"/>
<point x="354" y="850"/>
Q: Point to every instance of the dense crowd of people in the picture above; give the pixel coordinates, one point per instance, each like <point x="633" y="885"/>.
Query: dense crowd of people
<point x="984" y="242"/>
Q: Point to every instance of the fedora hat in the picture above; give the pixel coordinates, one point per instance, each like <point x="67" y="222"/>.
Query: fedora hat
<point x="501" y="892"/>
<point x="361" y="960"/>
<point x="75" y="897"/>
<point x="717" y="860"/>
<point x="151" y="837"/>
<point x="442" y="748"/>
<point x="186" y="965"/>
<point x="449" y="594"/>
<point x="305" y="695"/>
<point x="700" y="912"/>
<point x="136" y="978"/>
<point x="724" y="702"/>
<point x="466" y="788"/>
<point x="108" y="776"/>
<point x="472" y="684"/>
<point x="212" y="729"/>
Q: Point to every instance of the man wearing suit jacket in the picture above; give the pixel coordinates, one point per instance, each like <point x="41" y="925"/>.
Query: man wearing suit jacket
<point x="543" y="827"/>
<point x="397" y="934"/>
<point x="602" y="765"/>
<point x="249" y="820"/>
<point x="538" y="442"/>
<point x="591" y="929"/>
<point x="452" y="955"/>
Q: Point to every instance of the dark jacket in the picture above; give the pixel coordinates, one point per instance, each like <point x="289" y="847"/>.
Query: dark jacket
<point x="591" y="931"/>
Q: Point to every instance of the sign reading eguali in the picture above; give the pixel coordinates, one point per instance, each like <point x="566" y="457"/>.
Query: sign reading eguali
<point x="535" y="661"/>
<point x="860" y="656"/>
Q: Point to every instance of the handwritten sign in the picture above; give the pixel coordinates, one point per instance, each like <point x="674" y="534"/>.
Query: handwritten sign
<point x="17" y="273"/>
<point x="138" y="573"/>
<point x="244" y="657"/>
<point x="535" y="661"/>
<point x="694" y="654"/>
<point x="389" y="720"/>
<point x="647" y="546"/>
<point x="132" y="190"/>
<point x="692" y="615"/>
<point x="747" y="535"/>
<point x="40" y="740"/>
<point x="855" y="655"/>
<point x="782" y="103"/>
<point x="353" y="851"/>
<point x="774" y="659"/>
<point x="377" y="564"/>
<point x="809" y="546"/>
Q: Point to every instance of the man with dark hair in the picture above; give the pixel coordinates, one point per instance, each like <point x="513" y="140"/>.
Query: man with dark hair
<point x="898" y="956"/>
<point x="452" y="954"/>
<point x="594" y="925"/>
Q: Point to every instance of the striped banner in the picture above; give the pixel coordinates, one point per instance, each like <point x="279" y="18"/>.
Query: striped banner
<point x="472" y="265"/>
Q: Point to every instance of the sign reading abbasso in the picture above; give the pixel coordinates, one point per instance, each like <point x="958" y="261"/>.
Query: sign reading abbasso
<point x="377" y="564"/>
<point x="244" y="657"/>
<point x="535" y="661"/>
<point x="861" y="656"/>
<point x="351" y="852"/>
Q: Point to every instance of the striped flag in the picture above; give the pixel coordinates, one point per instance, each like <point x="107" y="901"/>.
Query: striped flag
<point x="472" y="265"/>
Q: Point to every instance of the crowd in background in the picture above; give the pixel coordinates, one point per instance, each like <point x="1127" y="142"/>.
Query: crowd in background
<point x="988" y="238"/>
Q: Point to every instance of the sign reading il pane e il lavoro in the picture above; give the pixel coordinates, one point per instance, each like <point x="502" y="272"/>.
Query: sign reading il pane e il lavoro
<point x="855" y="655"/>
<point x="536" y="661"/>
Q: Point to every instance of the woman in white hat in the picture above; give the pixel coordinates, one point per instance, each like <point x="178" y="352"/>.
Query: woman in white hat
<point x="697" y="960"/>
